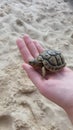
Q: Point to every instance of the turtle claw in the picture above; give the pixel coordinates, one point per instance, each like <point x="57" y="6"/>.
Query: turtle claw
<point x="43" y="71"/>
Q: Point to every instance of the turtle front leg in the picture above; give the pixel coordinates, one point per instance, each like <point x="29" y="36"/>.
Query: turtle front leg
<point x="43" y="71"/>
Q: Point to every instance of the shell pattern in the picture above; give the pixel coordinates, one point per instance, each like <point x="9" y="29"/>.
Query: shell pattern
<point x="51" y="60"/>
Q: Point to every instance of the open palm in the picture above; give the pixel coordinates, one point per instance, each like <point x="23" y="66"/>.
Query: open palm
<point x="58" y="87"/>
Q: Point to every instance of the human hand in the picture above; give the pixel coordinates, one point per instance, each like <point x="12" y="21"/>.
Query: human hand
<point x="58" y="87"/>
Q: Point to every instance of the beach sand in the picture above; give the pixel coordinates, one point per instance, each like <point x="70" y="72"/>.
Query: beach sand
<point x="50" y="22"/>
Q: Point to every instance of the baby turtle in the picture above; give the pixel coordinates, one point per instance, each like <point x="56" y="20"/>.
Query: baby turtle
<point x="51" y="60"/>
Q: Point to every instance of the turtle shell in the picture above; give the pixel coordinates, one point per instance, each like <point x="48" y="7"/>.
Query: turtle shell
<point x="52" y="60"/>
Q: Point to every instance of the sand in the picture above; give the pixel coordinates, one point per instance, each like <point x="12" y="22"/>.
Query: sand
<point x="22" y="107"/>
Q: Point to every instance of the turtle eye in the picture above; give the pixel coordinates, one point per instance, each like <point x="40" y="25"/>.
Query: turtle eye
<point x="31" y="62"/>
<point x="46" y="55"/>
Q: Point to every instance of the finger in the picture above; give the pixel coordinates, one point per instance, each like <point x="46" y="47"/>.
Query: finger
<point x="24" y="50"/>
<point x="38" y="46"/>
<point x="31" y="46"/>
<point x="35" y="77"/>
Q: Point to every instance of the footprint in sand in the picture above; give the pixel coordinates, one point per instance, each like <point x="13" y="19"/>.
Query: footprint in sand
<point x="19" y="22"/>
<point x="6" y="122"/>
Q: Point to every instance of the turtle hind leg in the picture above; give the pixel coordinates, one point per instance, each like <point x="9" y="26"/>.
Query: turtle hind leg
<point x="43" y="71"/>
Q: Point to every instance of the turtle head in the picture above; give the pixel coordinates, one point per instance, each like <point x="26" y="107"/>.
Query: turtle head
<point x="35" y="63"/>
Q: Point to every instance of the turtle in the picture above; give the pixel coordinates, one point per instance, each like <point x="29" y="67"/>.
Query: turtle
<point x="51" y="60"/>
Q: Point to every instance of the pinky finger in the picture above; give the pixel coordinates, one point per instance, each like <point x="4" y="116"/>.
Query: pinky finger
<point x="38" y="46"/>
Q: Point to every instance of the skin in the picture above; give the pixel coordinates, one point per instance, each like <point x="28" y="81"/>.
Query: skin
<point x="56" y="87"/>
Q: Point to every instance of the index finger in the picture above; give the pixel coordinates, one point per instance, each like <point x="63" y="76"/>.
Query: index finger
<point x="24" y="50"/>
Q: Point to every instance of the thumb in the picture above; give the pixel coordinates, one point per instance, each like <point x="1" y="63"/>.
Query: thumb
<point x="34" y="76"/>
